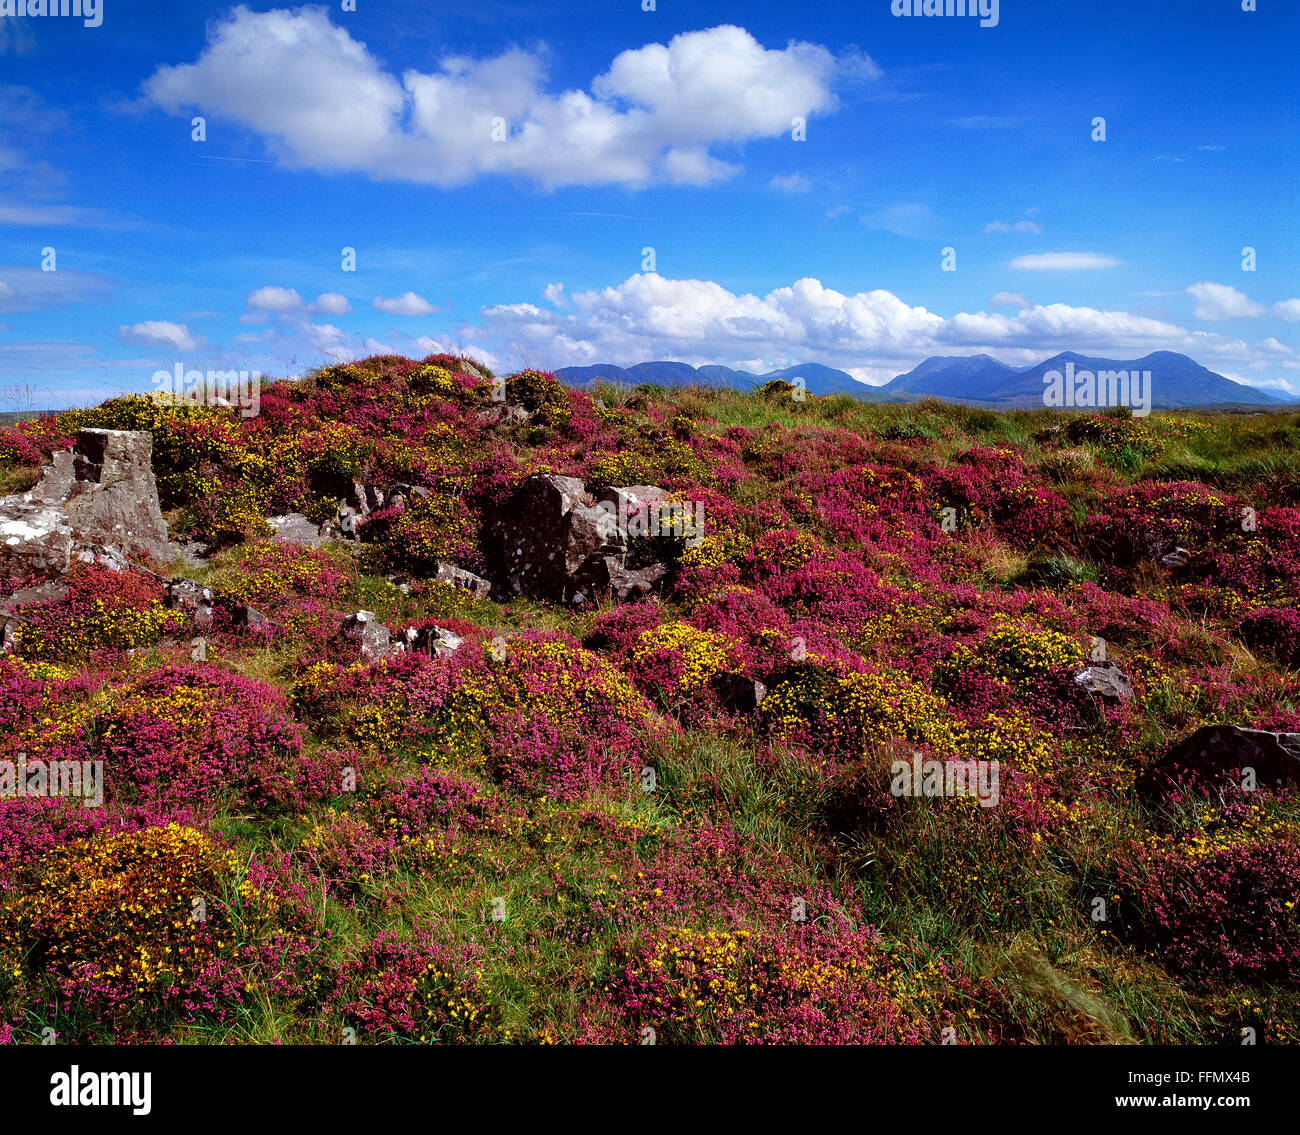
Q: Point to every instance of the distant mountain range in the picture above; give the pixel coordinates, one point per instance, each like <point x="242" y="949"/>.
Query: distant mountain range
<point x="1176" y="380"/>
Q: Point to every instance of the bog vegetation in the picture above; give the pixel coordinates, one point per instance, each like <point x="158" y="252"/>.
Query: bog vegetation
<point x="576" y="838"/>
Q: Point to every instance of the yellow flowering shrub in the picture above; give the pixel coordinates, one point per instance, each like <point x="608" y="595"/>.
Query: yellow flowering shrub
<point x="1021" y="654"/>
<point x="132" y="916"/>
<point x="846" y="714"/>
<point x="680" y="658"/>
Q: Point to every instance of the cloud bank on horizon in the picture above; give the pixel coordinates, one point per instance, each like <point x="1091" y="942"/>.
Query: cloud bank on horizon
<point x="564" y="189"/>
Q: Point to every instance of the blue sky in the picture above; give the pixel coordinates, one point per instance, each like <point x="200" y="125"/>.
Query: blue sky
<point x="620" y="130"/>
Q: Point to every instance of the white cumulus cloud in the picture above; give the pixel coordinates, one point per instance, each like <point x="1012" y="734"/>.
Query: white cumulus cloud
<point x="406" y="304"/>
<point x="872" y="334"/>
<point x="158" y="333"/>
<point x="322" y="101"/>
<point x="1218" y="302"/>
<point x="275" y="299"/>
<point x="287" y="301"/>
<point x="331" y="303"/>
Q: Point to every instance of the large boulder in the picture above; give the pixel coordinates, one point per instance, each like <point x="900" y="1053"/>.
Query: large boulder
<point x="738" y="694"/>
<point x="454" y="576"/>
<point x="364" y="633"/>
<point x="1105" y="680"/>
<point x="1216" y="755"/>
<point x="631" y="505"/>
<point x="113" y="497"/>
<point x="547" y="534"/>
<point x="554" y="541"/>
<point x="251" y="619"/>
<point x="96" y="503"/>
<point x="295" y="528"/>
<point x="611" y="573"/>
<point x="192" y="598"/>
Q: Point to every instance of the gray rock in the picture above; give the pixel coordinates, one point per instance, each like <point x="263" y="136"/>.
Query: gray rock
<point x="426" y="640"/>
<point x="251" y="618"/>
<point x="1178" y="558"/>
<point x="94" y="504"/>
<point x="545" y="536"/>
<point x="551" y="543"/>
<point x="625" y="584"/>
<point x="103" y="555"/>
<point x="196" y="552"/>
<point x="455" y="576"/>
<point x="436" y="640"/>
<point x="395" y="496"/>
<point x="502" y="413"/>
<point x="11" y="632"/>
<point x="57" y="478"/>
<point x="35" y="538"/>
<point x="349" y="521"/>
<point x="404" y="640"/>
<point x="738" y="694"/>
<point x="1215" y="755"/>
<point x="193" y="599"/>
<point x="295" y="528"/>
<point x="365" y="498"/>
<point x="370" y="637"/>
<point x="49" y="591"/>
<point x="114" y="497"/>
<point x="1106" y="681"/>
<point x="630" y="506"/>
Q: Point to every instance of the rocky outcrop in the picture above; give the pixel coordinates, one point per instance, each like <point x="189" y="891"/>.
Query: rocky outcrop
<point x="367" y="638"/>
<point x="295" y="528"/>
<point x="251" y="619"/>
<point x="11" y="631"/>
<point x="608" y="573"/>
<point x="630" y="503"/>
<point x="546" y="535"/>
<point x="193" y="599"/>
<point x="432" y="640"/>
<point x="1105" y="680"/>
<point x="354" y="509"/>
<point x="1216" y="755"/>
<point x="454" y="576"/>
<point x="1178" y="558"/>
<point x="366" y="635"/>
<point x="554" y="541"/>
<point x="366" y="499"/>
<point x="51" y="591"/>
<point x="501" y="413"/>
<point x="96" y="503"/>
<point x="738" y="694"/>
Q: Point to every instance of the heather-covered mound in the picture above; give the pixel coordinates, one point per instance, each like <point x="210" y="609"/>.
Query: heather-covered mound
<point x="383" y="770"/>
